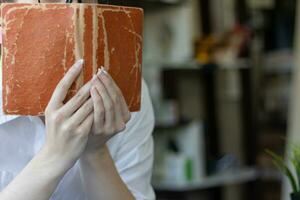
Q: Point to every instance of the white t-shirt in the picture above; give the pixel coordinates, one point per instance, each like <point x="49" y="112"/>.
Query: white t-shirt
<point x="132" y="151"/>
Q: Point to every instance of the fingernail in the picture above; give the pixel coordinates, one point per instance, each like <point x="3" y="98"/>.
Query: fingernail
<point x="102" y="71"/>
<point x="98" y="71"/>
<point x="80" y="61"/>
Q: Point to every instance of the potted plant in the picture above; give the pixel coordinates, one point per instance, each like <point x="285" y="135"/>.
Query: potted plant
<point x="294" y="179"/>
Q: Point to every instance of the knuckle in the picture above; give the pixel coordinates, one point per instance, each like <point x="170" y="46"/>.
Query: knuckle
<point x="115" y="98"/>
<point x="114" y="130"/>
<point x="98" y="131"/>
<point x="66" y="128"/>
<point x="98" y="99"/>
<point x="80" y="131"/>
<point x="121" y="127"/>
<point x="79" y="97"/>
<point x="88" y="106"/>
<point x="99" y="103"/>
<point x="109" y="131"/>
<point x="62" y="85"/>
<point x="128" y="117"/>
<point x="110" y="107"/>
<point x="101" y="113"/>
<point x="57" y="117"/>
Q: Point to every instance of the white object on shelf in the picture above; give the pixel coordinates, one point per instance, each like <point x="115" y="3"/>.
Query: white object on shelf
<point x="191" y="142"/>
<point x="228" y="178"/>
<point x="175" y="164"/>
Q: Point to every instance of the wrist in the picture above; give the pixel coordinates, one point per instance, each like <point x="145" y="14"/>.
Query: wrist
<point x="57" y="163"/>
<point x="96" y="154"/>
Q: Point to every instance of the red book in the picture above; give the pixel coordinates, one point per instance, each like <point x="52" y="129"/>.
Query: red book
<point x="42" y="41"/>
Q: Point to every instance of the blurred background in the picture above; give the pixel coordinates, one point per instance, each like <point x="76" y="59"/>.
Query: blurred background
<point x="220" y="76"/>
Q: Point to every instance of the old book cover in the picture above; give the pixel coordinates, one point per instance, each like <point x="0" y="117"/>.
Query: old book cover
<point x="41" y="42"/>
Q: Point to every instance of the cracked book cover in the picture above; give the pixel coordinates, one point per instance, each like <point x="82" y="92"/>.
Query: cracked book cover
<point x="42" y="41"/>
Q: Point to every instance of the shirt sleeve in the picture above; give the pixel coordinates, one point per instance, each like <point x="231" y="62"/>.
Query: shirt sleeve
<point x="134" y="158"/>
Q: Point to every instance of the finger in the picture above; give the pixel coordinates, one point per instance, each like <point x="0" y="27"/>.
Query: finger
<point x="98" y="110"/>
<point x="108" y="82"/>
<point x="107" y="102"/>
<point x="124" y="109"/>
<point x="114" y="92"/>
<point x="81" y="114"/>
<point x="119" y="122"/>
<point x="86" y="125"/>
<point x="64" y="85"/>
<point x="76" y="101"/>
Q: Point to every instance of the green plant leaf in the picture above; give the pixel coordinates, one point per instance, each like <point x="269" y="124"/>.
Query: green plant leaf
<point x="295" y="158"/>
<point x="279" y="162"/>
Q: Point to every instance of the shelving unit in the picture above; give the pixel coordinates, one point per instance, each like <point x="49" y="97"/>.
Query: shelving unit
<point x="204" y="80"/>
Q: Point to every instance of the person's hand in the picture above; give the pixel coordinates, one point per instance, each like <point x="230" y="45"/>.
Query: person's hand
<point x="110" y="111"/>
<point x="68" y="125"/>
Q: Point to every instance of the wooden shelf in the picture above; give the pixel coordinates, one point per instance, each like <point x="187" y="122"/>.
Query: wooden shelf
<point x="181" y="123"/>
<point x="222" y="179"/>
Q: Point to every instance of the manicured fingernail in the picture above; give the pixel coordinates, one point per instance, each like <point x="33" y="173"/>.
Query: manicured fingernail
<point x="80" y="61"/>
<point x="98" y="71"/>
<point x="102" y="71"/>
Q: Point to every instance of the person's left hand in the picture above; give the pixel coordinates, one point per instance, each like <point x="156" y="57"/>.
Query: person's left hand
<point x="110" y="111"/>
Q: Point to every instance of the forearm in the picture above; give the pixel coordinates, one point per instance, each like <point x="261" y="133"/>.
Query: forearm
<point x="38" y="179"/>
<point x="101" y="178"/>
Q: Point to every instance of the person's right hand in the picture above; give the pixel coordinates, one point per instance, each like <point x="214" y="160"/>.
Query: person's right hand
<point x="68" y="125"/>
